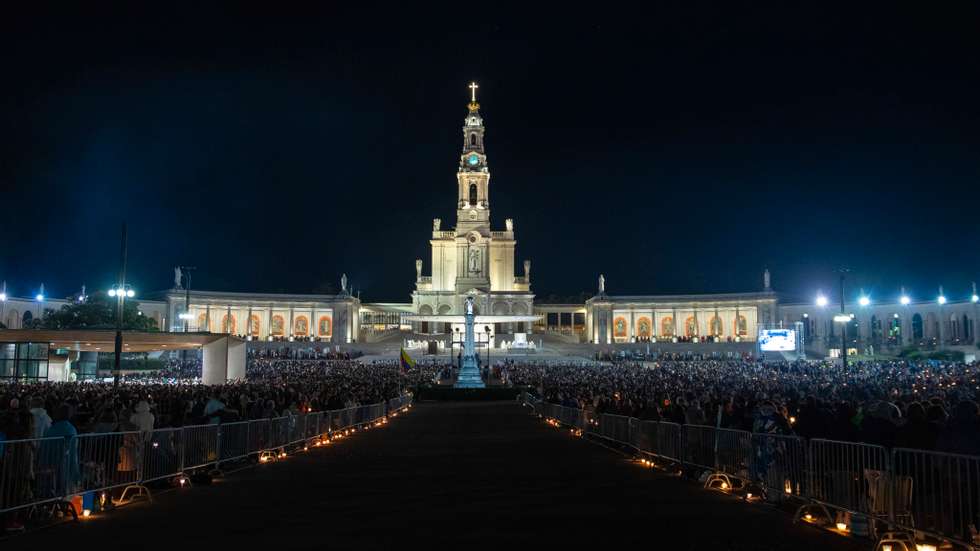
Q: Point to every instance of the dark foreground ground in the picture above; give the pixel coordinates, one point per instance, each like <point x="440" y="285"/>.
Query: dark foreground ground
<point x="447" y="475"/>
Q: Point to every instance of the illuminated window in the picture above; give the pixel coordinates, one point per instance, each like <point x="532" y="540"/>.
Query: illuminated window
<point x="741" y="326"/>
<point x="228" y="324"/>
<point x="301" y="326"/>
<point x="619" y="327"/>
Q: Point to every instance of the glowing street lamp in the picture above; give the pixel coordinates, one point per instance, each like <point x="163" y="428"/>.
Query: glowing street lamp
<point x="941" y="299"/>
<point x="974" y="298"/>
<point x="864" y="300"/>
<point x="905" y="300"/>
<point x="821" y="301"/>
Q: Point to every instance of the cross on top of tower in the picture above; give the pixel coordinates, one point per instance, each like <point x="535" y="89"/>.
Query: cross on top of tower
<point x="473" y="86"/>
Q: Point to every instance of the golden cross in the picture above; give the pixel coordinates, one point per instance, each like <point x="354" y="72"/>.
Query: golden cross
<point x="473" y="88"/>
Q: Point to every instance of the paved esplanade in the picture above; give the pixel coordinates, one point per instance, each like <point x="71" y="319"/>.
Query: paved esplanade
<point x="473" y="475"/>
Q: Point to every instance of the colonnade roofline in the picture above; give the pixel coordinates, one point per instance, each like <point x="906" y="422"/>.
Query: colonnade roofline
<point x="224" y="296"/>
<point x="707" y="298"/>
<point x="889" y="304"/>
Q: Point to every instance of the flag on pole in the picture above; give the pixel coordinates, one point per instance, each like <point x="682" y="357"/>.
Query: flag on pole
<point x="406" y="361"/>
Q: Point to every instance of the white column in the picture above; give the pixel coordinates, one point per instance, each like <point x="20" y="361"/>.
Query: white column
<point x="236" y="360"/>
<point x="215" y="368"/>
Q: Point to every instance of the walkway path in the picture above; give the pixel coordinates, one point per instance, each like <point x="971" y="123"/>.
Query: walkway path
<point x="469" y="475"/>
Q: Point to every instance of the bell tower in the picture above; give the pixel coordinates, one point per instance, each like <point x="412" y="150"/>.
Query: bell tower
<point x="473" y="176"/>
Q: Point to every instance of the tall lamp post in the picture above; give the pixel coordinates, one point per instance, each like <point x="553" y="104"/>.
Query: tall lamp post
<point x="844" y="320"/>
<point x="187" y="295"/>
<point x="121" y="291"/>
<point x="3" y="300"/>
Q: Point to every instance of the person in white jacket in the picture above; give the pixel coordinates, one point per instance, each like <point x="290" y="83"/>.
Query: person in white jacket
<point x="142" y="418"/>
<point x="42" y="421"/>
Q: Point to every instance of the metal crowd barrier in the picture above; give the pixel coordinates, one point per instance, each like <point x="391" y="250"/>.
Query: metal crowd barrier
<point x="36" y="472"/>
<point x="932" y="493"/>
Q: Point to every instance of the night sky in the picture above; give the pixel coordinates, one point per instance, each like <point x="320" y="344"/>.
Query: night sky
<point x="677" y="151"/>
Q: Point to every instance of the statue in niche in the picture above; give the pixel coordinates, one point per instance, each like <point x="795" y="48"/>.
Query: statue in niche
<point x="475" y="265"/>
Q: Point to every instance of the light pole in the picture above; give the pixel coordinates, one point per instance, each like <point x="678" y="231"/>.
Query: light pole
<point x="487" y="329"/>
<point x="942" y="322"/>
<point x="975" y="299"/>
<point x="3" y="300"/>
<point x="187" y="295"/>
<point x="40" y="305"/>
<point x="120" y="292"/>
<point x="905" y="301"/>
<point x="843" y="315"/>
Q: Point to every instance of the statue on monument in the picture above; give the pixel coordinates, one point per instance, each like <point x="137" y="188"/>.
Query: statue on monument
<point x="765" y="279"/>
<point x="177" y="277"/>
<point x="343" y="283"/>
<point x="436" y="224"/>
<point x="469" y="306"/>
<point x="602" y="284"/>
<point x="475" y="266"/>
<point x="527" y="271"/>
<point x="418" y="269"/>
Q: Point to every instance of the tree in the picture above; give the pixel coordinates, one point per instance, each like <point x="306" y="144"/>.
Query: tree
<point x="97" y="312"/>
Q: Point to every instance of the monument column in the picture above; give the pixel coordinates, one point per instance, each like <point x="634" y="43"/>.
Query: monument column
<point x="673" y="313"/>
<point x="632" y="331"/>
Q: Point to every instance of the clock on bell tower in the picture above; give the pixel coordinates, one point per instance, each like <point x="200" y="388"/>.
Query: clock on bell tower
<point x="473" y="176"/>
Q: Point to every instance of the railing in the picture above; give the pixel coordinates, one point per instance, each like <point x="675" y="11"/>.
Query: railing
<point x="46" y="470"/>
<point x="933" y="493"/>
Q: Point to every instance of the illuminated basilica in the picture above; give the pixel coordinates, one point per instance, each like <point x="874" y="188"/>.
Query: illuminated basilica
<point x="472" y="259"/>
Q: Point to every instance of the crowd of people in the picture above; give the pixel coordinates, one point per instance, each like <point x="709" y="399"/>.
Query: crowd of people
<point x="273" y="388"/>
<point x="301" y="353"/>
<point x="925" y="405"/>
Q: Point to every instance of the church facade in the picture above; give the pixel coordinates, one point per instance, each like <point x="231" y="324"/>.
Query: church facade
<point x="471" y="259"/>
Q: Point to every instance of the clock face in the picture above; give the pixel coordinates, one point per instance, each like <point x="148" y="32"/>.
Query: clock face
<point x="473" y="159"/>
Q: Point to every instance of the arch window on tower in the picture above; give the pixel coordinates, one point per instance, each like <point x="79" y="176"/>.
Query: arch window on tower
<point x="473" y="197"/>
<point x="472" y="139"/>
